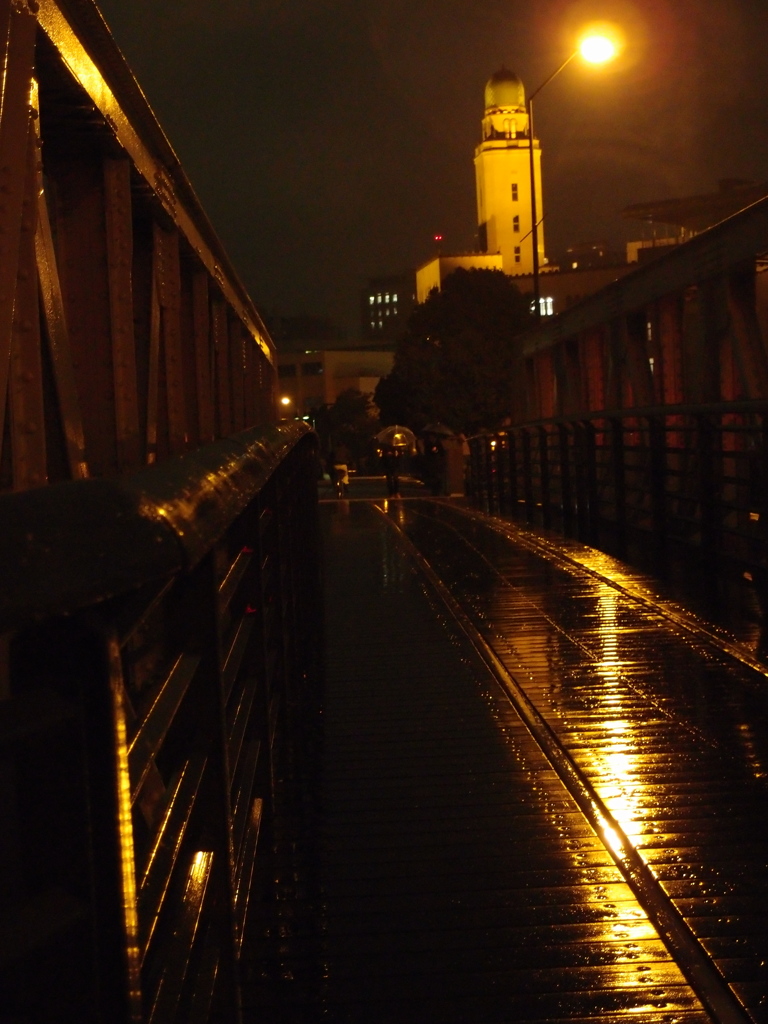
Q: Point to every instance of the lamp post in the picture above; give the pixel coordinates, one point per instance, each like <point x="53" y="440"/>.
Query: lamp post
<point x="595" y="48"/>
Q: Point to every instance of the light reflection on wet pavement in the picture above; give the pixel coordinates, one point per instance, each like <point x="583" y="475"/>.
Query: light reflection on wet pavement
<point x="461" y="882"/>
<point x="671" y="731"/>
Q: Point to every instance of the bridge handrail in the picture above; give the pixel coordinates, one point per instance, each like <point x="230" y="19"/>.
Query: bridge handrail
<point x="645" y="412"/>
<point x="690" y="477"/>
<point x="159" y="687"/>
<point x="69" y="545"/>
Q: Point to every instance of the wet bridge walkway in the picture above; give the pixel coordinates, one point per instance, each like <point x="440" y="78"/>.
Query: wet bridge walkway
<point x="544" y="793"/>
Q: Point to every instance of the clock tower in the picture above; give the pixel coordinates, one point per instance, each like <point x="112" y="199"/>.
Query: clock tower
<point x="503" y="176"/>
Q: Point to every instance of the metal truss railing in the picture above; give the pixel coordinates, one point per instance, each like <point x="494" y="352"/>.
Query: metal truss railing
<point x="694" y="476"/>
<point x="126" y="337"/>
<point x="158" y="696"/>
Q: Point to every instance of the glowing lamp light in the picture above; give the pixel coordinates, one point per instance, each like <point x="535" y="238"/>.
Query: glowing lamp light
<point x="597" y="49"/>
<point x="285" y="400"/>
<point x="438" y="238"/>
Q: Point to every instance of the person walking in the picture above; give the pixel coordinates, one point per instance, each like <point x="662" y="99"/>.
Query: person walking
<point x="391" y="457"/>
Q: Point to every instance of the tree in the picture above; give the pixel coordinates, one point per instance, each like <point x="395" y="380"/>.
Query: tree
<point x="456" y="361"/>
<point x="351" y="421"/>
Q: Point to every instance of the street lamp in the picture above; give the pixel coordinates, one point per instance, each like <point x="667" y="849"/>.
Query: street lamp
<point x="596" y="47"/>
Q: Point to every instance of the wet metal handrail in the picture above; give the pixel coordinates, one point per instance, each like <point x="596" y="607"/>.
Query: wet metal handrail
<point x="694" y="476"/>
<point x="159" y="644"/>
<point x="72" y="544"/>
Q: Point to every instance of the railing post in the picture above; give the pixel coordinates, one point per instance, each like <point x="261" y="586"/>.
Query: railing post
<point x="490" y="474"/>
<point x="546" y="499"/>
<point x="618" y="480"/>
<point x="587" y="504"/>
<point x="709" y="490"/>
<point x="512" y="471"/>
<point x="657" y="467"/>
<point x="593" y="503"/>
<point x="566" y="489"/>
<point x="502" y="471"/>
<point x="530" y="503"/>
<point x="70" y="840"/>
<point x="473" y="476"/>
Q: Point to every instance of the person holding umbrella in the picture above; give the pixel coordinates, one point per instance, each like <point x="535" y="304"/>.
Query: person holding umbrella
<point x="391" y="457"/>
<point x="395" y="441"/>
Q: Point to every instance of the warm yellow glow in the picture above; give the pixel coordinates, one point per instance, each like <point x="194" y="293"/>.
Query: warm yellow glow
<point x="125" y="823"/>
<point x="597" y="49"/>
<point x="613" y="839"/>
<point x="285" y="400"/>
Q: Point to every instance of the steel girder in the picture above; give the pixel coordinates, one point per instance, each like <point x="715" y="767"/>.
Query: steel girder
<point x="125" y="334"/>
<point x="690" y="327"/>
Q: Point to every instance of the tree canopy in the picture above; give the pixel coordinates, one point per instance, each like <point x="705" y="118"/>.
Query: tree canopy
<point x="351" y="421"/>
<point x="456" y="360"/>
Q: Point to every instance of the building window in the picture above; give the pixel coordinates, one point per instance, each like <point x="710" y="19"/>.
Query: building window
<point x="514" y="194"/>
<point x="394" y="297"/>
<point x="546" y="305"/>
<point x="517" y="254"/>
<point x="286" y="370"/>
<point x="378" y="298"/>
<point x="516" y="224"/>
<point x="371" y="299"/>
<point x="386" y="297"/>
<point x="311" y="369"/>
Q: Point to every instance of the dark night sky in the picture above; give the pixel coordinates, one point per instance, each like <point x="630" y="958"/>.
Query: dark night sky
<point x="329" y="140"/>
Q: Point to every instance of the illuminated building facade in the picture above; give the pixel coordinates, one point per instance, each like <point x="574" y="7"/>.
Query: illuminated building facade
<point x="503" y="176"/>
<point x="386" y="304"/>
<point x="505" y="239"/>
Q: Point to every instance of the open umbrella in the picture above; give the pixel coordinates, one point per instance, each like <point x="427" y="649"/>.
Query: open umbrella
<point x="397" y="437"/>
<point x="439" y="430"/>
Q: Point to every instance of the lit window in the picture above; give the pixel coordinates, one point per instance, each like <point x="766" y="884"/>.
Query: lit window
<point x="516" y="224"/>
<point x="394" y="297"/>
<point x="574" y="266"/>
<point x="378" y="298"/>
<point x="514" y="191"/>
<point x="652" y="363"/>
<point x="386" y="297"/>
<point x="371" y="299"/>
<point x="373" y="323"/>
<point x="649" y="331"/>
<point x="546" y="305"/>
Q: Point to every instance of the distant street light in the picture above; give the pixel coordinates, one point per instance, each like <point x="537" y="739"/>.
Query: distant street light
<point x="595" y="47"/>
